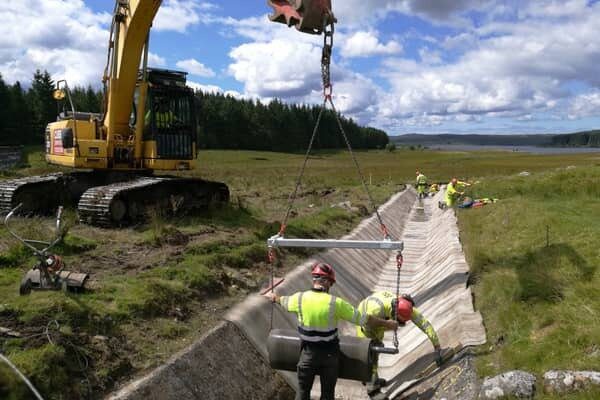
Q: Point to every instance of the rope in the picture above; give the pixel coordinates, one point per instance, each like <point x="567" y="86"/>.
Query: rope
<point x="328" y="30"/>
<point x="23" y="377"/>
<point x="292" y="197"/>
<point x="361" y="175"/>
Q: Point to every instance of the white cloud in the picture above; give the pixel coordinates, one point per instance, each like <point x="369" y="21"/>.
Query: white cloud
<point x="277" y="68"/>
<point x="154" y="60"/>
<point x="178" y="15"/>
<point x="195" y="67"/>
<point x="365" y="44"/>
<point x="65" y="38"/>
<point x="214" y="89"/>
<point x="585" y="105"/>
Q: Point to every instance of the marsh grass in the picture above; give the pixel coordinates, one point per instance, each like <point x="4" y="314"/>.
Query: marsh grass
<point x="534" y="261"/>
<point x="139" y="306"/>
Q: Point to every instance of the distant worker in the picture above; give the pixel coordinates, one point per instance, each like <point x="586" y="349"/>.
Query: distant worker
<point x="421" y="184"/>
<point x="318" y="314"/>
<point x="452" y="194"/>
<point x="384" y="304"/>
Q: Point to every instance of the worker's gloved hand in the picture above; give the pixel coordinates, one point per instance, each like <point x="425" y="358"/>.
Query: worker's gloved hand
<point x="271" y="296"/>
<point x="392" y="325"/>
<point x="438" y="357"/>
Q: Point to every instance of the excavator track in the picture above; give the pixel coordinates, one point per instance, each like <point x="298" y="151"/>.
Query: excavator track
<point x="125" y="203"/>
<point x="34" y="192"/>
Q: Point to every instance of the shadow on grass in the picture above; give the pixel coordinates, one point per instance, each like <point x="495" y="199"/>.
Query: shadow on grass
<point x="543" y="273"/>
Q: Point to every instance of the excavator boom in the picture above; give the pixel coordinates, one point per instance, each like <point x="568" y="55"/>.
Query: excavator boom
<point x="308" y="16"/>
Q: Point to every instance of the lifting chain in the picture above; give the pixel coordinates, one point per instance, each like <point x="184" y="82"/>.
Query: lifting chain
<point x="328" y="31"/>
<point x="399" y="261"/>
<point x="326" y="59"/>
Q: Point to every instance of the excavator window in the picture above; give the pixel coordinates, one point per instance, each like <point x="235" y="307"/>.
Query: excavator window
<point x="170" y="121"/>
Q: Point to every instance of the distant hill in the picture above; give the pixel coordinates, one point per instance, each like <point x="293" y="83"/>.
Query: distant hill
<point x="579" y="139"/>
<point x="474" y="139"/>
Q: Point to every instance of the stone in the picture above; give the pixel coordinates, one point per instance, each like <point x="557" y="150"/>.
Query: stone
<point x="556" y="381"/>
<point x="519" y="384"/>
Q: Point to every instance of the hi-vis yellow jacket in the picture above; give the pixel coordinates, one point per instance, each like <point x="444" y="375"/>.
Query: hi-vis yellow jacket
<point x="451" y="195"/>
<point x="318" y="314"/>
<point x="379" y="304"/>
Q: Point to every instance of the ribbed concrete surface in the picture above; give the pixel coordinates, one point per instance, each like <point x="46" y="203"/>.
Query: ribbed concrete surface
<point x="224" y="363"/>
<point x="357" y="272"/>
<point x="434" y="272"/>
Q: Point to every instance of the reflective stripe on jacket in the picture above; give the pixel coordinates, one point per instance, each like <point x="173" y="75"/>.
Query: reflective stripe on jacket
<point x="379" y="304"/>
<point x="318" y="314"/>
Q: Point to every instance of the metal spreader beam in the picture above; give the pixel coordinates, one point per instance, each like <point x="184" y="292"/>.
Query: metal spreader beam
<point x="385" y="244"/>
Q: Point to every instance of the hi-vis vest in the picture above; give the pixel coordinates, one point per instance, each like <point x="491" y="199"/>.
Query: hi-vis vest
<point x="379" y="305"/>
<point x="318" y="314"/>
<point x="421" y="180"/>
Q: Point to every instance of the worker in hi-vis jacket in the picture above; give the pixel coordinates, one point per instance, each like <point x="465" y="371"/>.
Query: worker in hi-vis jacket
<point x="386" y="305"/>
<point x="421" y="184"/>
<point x="318" y="315"/>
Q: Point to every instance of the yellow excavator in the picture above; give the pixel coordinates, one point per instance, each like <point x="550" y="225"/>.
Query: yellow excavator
<point x="148" y="124"/>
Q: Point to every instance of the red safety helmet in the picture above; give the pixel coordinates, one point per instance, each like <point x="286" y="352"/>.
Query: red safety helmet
<point x="404" y="308"/>
<point x="323" y="270"/>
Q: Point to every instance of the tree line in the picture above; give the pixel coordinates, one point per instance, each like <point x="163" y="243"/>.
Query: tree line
<point x="224" y="122"/>
<point x="585" y="138"/>
<point x="24" y="113"/>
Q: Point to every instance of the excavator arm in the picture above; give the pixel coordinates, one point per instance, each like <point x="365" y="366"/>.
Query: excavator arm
<point x="308" y="16"/>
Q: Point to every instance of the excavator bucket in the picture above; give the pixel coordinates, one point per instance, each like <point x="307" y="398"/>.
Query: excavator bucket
<point x="309" y="16"/>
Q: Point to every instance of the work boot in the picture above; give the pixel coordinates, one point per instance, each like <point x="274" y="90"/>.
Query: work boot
<point x="374" y="387"/>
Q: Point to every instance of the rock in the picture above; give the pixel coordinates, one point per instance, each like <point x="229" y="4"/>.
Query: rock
<point x="100" y="338"/>
<point x="524" y="173"/>
<point x="567" y="381"/>
<point x="519" y="384"/>
<point x="9" y="332"/>
<point x="571" y="167"/>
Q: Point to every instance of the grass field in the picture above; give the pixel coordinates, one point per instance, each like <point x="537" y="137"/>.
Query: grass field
<point x="158" y="286"/>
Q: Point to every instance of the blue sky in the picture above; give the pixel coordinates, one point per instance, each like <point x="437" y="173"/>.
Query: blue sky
<point x="424" y="66"/>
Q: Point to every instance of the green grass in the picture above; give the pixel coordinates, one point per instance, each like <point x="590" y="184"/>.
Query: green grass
<point x="149" y="277"/>
<point x="534" y="262"/>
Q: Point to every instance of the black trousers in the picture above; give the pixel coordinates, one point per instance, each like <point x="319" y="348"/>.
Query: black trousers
<point x="322" y="361"/>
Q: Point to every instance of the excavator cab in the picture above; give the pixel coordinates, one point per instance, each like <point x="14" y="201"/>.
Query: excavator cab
<point x="169" y="118"/>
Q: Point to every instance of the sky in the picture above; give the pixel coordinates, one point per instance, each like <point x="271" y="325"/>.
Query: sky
<point x="404" y="66"/>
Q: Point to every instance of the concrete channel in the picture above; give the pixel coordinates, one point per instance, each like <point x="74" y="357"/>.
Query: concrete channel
<point x="231" y="361"/>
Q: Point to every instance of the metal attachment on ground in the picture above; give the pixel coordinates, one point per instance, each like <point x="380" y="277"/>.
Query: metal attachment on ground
<point x="48" y="273"/>
<point x="385" y="244"/>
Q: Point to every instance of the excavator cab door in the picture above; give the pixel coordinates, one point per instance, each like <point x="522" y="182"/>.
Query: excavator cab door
<point x="170" y="122"/>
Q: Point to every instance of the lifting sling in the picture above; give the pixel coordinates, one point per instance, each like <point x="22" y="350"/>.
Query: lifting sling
<point x="284" y="346"/>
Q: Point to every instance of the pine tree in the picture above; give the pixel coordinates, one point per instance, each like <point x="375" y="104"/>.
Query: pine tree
<point x="43" y="105"/>
<point x="5" y="102"/>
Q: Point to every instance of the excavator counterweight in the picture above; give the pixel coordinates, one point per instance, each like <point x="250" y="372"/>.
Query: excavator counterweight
<point x="308" y="16"/>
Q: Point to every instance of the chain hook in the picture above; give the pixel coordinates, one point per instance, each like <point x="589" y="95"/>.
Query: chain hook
<point x="399" y="260"/>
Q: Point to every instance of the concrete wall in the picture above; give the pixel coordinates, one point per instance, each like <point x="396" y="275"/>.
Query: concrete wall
<point x="230" y="362"/>
<point x="10" y="156"/>
<point x="220" y="365"/>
